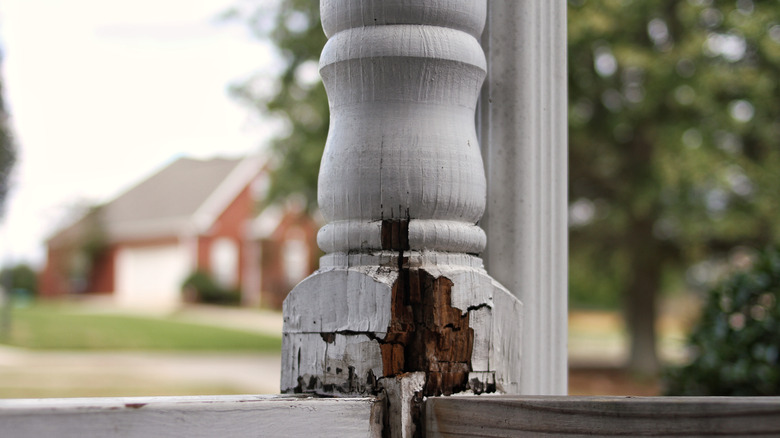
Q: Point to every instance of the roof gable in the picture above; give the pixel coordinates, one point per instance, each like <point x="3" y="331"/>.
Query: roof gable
<point x="184" y="197"/>
<point x="176" y="191"/>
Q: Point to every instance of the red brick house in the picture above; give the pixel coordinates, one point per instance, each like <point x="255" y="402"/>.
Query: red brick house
<point x="286" y="238"/>
<point x="140" y="247"/>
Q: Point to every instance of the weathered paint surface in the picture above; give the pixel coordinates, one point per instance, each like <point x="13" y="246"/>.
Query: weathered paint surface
<point x="401" y="305"/>
<point x="405" y="404"/>
<point x="208" y="416"/>
<point x="523" y="126"/>
<point x="381" y="322"/>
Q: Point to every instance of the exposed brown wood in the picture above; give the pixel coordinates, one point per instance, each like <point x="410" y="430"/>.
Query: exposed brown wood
<point x="395" y="234"/>
<point x="513" y="416"/>
<point x="428" y="334"/>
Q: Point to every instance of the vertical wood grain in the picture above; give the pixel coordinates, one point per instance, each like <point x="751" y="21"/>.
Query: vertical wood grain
<point x="512" y="416"/>
<point x="523" y="132"/>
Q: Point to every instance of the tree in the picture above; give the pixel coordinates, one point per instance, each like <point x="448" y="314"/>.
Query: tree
<point x="20" y="276"/>
<point x="7" y="151"/>
<point x="299" y="98"/>
<point x="673" y="141"/>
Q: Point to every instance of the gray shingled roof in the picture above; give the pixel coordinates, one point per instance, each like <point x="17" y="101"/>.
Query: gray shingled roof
<point x="163" y="204"/>
<point x="176" y="191"/>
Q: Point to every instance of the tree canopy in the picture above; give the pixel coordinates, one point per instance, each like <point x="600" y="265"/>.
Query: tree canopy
<point x="298" y="98"/>
<point x="7" y="150"/>
<point x="674" y="157"/>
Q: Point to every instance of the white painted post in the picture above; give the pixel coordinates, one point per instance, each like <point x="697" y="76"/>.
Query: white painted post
<point x="523" y="130"/>
<point x="401" y="304"/>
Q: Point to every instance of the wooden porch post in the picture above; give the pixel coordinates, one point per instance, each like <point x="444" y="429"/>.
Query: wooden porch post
<point x="401" y="305"/>
<point x="523" y="128"/>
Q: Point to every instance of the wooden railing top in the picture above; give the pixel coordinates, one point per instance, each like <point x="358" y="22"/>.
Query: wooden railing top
<point x="513" y="416"/>
<point x="206" y="416"/>
<point x="456" y="416"/>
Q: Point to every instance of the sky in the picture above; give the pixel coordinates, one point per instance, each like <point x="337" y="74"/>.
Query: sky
<point x="103" y="93"/>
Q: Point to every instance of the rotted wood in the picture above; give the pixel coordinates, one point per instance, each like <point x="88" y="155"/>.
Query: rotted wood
<point x="513" y="416"/>
<point x="427" y="334"/>
<point x="434" y="314"/>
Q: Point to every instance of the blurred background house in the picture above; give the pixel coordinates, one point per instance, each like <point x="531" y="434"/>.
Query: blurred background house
<point x="286" y="238"/>
<point x="195" y="222"/>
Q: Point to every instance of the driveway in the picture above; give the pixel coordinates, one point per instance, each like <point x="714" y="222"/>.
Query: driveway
<point x="34" y="374"/>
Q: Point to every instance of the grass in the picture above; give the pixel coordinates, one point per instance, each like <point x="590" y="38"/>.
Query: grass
<point x="61" y="328"/>
<point x="64" y="386"/>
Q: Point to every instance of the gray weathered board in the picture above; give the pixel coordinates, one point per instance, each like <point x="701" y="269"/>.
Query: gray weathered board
<point x="513" y="416"/>
<point x="210" y="416"/>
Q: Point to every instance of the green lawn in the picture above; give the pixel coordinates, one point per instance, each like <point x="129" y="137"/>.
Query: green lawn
<point x="63" y="328"/>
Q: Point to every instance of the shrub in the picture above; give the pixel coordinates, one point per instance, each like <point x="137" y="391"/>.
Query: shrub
<point x="20" y="277"/>
<point x="205" y="290"/>
<point x="736" y="341"/>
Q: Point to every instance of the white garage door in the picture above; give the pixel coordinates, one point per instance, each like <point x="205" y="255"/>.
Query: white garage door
<point x="151" y="277"/>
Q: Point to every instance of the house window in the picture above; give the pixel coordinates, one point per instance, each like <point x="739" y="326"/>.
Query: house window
<point x="224" y="262"/>
<point x="295" y="254"/>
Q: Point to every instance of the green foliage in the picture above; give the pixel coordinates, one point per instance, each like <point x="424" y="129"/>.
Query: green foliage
<point x="93" y="240"/>
<point x="589" y="289"/>
<point x="88" y="247"/>
<point x="298" y="98"/>
<point x="206" y="290"/>
<point x="673" y="116"/>
<point x="673" y="129"/>
<point x="7" y="151"/>
<point x="736" y="340"/>
<point x="66" y="328"/>
<point x="20" y="277"/>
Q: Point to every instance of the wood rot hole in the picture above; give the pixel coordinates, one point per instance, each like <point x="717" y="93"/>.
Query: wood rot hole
<point x="426" y="332"/>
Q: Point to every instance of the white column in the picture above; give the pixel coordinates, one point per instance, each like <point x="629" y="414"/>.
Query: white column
<point x="401" y="304"/>
<point x="523" y="128"/>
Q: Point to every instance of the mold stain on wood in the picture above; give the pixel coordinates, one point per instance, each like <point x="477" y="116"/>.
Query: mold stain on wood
<point x="426" y="332"/>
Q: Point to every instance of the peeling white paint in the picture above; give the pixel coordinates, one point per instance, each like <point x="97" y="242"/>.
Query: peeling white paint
<point x="402" y="187"/>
